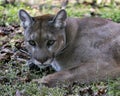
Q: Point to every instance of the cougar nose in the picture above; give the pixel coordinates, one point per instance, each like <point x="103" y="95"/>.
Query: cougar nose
<point x="43" y="60"/>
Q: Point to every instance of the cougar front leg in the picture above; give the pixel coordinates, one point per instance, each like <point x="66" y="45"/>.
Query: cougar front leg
<point x="70" y="75"/>
<point x="85" y="73"/>
<point x="52" y="79"/>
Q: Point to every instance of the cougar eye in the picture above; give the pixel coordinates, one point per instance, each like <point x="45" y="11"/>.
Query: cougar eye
<point x="50" y="43"/>
<point x="31" y="42"/>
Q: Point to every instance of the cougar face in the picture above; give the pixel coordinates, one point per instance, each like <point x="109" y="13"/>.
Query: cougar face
<point x="44" y="36"/>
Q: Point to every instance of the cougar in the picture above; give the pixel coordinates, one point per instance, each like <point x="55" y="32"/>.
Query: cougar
<point x="85" y="50"/>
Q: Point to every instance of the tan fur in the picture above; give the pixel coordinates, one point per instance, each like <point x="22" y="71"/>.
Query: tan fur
<point x="86" y="50"/>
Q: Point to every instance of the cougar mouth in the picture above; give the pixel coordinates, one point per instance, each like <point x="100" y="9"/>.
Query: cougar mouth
<point x="44" y="65"/>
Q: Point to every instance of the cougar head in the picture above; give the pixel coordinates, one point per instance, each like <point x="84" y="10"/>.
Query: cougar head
<point x="44" y="35"/>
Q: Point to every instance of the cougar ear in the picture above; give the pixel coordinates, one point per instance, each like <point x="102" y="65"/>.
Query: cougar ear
<point x="25" y="18"/>
<point x="59" y="19"/>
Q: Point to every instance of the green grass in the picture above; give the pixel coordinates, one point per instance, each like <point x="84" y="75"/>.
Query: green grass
<point x="9" y="13"/>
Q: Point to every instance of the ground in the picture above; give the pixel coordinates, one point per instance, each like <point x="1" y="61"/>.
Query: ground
<point x="16" y="77"/>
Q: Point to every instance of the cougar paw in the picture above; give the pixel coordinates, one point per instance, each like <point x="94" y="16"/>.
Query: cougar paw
<point x="47" y="81"/>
